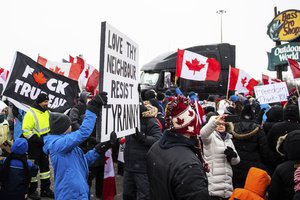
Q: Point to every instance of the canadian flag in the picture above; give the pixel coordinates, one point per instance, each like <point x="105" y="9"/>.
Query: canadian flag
<point x="3" y="75"/>
<point x="109" y="184"/>
<point x="89" y="77"/>
<point x="240" y="81"/>
<point x="70" y="70"/>
<point x="196" y="67"/>
<point x="295" y="67"/>
<point x="268" y="80"/>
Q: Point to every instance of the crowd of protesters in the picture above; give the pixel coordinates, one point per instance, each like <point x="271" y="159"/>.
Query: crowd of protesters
<point x="185" y="148"/>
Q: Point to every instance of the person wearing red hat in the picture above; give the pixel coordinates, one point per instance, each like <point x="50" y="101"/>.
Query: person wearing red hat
<point x="175" y="165"/>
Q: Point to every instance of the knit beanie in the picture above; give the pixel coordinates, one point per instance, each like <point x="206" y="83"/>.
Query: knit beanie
<point x="42" y="97"/>
<point x="181" y="116"/>
<point x="150" y="94"/>
<point x="59" y="123"/>
<point x="247" y="113"/>
<point x="291" y="112"/>
<point x="160" y="96"/>
<point x="20" y="146"/>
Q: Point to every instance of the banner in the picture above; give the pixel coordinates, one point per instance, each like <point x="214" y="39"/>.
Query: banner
<point x="271" y="93"/>
<point x="119" y="77"/>
<point x="27" y="79"/>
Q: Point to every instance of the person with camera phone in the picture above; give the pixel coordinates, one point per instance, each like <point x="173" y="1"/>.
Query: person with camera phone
<point x="220" y="154"/>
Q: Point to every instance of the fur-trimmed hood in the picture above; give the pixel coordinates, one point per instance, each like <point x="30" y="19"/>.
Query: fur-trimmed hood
<point x="245" y="130"/>
<point x="151" y="110"/>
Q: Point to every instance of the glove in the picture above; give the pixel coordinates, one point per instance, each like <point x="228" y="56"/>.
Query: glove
<point x="229" y="152"/>
<point x="139" y="136"/>
<point x="98" y="101"/>
<point x="101" y="148"/>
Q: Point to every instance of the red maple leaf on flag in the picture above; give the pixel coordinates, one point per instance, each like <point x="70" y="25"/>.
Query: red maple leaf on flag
<point x="194" y="65"/>
<point x="39" y="78"/>
<point x="179" y="121"/>
<point x="1" y="70"/>
<point x="244" y="81"/>
<point x="56" y="70"/>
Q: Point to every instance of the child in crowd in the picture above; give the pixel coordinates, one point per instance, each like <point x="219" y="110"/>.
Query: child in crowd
<point x="16" y="172"/>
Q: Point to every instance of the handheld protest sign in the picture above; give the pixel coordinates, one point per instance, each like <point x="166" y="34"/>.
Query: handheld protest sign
<point x="119" y="77"/>
<point x="271" y="93"/>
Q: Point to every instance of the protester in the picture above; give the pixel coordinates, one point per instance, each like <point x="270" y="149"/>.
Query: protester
<point x="290" y="122"/>
<point x="35" y="126"/>
<point x="16" y="172"/>
<point x="135" y="180"/>
<point x="220" y="154"/>
<point x="282" y="182"/>
<point x="5" y="138"/>
<point x="175" y="163"/>
<point x="77" y="112"/>
<point x="96" y="170"/>
<point x="256" y="185"/>
<point x="251" y="144"/>
<point x="70" y="164"/>
<point x="274" y="115"/>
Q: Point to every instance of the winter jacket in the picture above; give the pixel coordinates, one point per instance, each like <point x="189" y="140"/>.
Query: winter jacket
<point x="274" y="115"/>
<point x="220" y="174"/>
<point x="175" y="171"/>
<point x="251" y="144"/>
<point x="255" y="186"/>
<point x="69" y="162"/>
<point x="282" y="182"/>
<point x="15" y="187"/>
<point x="135" y="152"/>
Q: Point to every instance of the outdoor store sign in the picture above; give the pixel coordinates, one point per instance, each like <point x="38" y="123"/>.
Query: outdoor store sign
<point x="285" y="26"/>
<point x="280" y="54"/>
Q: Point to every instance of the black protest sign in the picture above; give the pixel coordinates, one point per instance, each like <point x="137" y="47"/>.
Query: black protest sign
<point x="28" y="79"/>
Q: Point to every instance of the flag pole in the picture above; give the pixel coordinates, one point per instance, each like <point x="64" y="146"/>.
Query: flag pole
<point x="227" y="93"/>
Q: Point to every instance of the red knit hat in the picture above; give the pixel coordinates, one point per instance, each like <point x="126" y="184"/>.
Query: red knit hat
<point x="181" y="116"/>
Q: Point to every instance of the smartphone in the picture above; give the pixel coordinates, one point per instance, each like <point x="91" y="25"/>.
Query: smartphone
<point x="232" y="118"/>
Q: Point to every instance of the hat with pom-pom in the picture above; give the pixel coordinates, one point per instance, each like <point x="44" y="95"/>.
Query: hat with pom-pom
<point x="181" y="116"/>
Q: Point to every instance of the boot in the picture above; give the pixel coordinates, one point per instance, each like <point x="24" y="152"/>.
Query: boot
<point x="35" y="196"/>
<point x="47" y="193"/>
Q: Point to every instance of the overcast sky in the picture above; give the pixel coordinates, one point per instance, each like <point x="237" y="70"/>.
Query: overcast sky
<point x="54" y="29"/>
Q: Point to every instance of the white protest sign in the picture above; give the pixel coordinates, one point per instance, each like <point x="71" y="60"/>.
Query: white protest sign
<point x="271" y="93"/>
<point x="119" y="77"/>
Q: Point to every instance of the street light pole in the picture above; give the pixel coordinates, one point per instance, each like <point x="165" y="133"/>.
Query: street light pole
<point x="221" y="12"/>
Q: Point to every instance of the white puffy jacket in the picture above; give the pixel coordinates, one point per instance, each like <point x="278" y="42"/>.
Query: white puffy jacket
<point x="220" y="175"/>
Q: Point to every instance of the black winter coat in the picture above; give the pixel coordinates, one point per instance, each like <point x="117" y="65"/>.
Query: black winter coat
<point x="282" y="182"/>
<point x="175" y="171"/>
<point x="280" y="129"/>
<point x="135" y="152"/>
<point x="251" y="144"/>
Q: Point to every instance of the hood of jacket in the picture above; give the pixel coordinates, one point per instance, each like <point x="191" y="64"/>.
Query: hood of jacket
<point x="244" y="130"/>
<point x="292" y="145"/>
<point x="257" y="181"/>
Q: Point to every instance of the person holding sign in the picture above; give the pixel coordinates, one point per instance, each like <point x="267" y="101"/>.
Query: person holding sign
<point x="69" y="162"/>
<point x="135" y="182"/>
